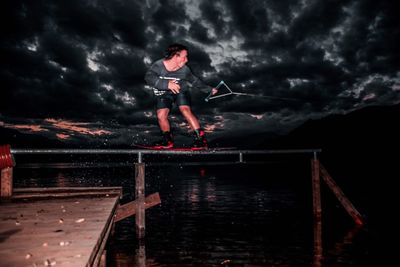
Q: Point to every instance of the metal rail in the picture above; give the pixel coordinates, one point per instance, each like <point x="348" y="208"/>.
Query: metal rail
<point x="141" y="152"/>
<point x="167" y="152"/>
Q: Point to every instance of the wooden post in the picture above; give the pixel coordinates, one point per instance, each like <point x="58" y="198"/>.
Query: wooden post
<point x="351" y="210"/>
<point x="140" y="199"/>
<point x="141" y="255"/>
<point x="6" y="183"/>
<point x="316" y="192"/>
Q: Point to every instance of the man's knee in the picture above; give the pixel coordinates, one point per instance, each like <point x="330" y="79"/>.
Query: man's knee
<point x="185" y="110"/>
<point x="162" y="114"/>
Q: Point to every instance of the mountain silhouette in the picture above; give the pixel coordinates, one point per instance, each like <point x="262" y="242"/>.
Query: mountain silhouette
<point x="368" y="129"/>
<point x="360" y="146"/>
<point x="360" y="136"/>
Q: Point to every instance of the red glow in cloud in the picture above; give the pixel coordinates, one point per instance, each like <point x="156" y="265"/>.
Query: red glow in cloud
<point x="29" y="127"/>
<point x="76" y="127"/>
<point x="63" y="136"/>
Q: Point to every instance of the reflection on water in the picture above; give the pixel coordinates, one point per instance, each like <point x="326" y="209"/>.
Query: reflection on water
<point x="237" y="215"/>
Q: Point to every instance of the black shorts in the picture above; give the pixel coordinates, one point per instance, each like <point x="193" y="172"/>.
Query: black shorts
<point x="168" y="99"/>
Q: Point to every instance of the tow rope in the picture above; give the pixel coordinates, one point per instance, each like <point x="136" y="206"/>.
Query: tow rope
<point x="231" y="92"/>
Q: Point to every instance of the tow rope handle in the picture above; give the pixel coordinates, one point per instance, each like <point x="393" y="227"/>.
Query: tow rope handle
<point x="209" y="97"/>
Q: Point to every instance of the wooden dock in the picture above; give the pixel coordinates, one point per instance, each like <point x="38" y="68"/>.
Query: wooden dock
<point x="57" y="227"/>
<point x="41" y="233"/>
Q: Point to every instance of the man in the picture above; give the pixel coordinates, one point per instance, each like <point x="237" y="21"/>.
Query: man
<point x="171" y="81"/>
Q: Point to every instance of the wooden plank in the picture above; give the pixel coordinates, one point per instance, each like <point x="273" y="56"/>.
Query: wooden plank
<point x="129" y="209"/>
<point x="348" y="206"/>
<point x="6" y="183"/>
<point x="66" y="232"/>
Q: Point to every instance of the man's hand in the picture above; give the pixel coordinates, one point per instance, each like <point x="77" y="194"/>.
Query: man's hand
<point x="214" y="91"/>
<point x="174" y="86"/>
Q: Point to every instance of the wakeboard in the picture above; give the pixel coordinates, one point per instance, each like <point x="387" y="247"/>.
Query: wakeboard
<point x="184" y="148"/>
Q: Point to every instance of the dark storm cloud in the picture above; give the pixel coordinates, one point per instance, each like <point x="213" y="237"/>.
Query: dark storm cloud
<point x="249" y="17"/>
<point x="316" y="19"/>
<point x="101" y="20"/>
<point x="200" y="33"/>
<point x="85" y="60"/>
<point x="371" y="42"/>
<point x="214" y="15"/>
<point x="167" y="20"/>
<point x="45" y="56"/>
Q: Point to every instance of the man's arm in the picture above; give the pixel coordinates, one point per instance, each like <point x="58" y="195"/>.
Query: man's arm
<point x="195" y="82"/>
<point x="152" y="78"/>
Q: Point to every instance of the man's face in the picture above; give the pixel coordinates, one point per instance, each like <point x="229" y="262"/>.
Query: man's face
<point x="181" y="58"/>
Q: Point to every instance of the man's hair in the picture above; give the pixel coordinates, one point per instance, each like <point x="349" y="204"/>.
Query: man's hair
<point x="174" y="49"/>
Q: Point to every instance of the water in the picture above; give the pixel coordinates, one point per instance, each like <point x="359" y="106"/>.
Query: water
<point x="227" y="215"/>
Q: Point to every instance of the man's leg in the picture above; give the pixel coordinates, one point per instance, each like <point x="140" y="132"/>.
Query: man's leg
<point x="162" y="117"/>
<point x="199" y="136"/>
<point x="190" y="117"/>
<point x="164" y="105"/>
<point x="166" y="136"/>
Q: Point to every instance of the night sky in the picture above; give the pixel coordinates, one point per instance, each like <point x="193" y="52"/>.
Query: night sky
<point x="74" y="70"/>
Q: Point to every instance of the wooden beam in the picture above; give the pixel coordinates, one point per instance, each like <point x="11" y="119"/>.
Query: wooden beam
<point x="6" y="183"/>
<point x="348" y="206"/>
<point x="129" y="209"/>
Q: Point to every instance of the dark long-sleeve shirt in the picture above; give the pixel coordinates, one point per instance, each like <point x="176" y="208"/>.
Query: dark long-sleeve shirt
<point x="157" y="77"/>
